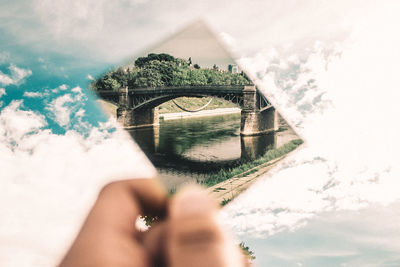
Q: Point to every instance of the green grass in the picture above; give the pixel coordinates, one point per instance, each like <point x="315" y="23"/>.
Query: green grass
<point x="225" y="201"/>
<point x="250" y="167"/>
<point x="193" y="103"/>
<point x="282" y="129"/>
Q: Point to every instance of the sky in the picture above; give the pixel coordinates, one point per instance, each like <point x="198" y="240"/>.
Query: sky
<point x="330" y="67"/>
<point x="198" y="42"/>
<point x="111" y="31"/>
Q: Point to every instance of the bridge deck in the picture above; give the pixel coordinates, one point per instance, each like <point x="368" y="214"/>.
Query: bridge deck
<point x="204" y="89"/>
<point x="137" y="98"/>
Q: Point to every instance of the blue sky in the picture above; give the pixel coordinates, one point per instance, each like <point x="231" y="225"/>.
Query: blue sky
<point x="62" y="42"/>
<point x="35" y="67"/>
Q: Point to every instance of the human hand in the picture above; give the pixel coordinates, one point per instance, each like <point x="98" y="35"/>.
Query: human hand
<point x="188" y="236"/>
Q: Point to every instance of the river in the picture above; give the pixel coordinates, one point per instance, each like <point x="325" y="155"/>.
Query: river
<point x="186" y="150"/>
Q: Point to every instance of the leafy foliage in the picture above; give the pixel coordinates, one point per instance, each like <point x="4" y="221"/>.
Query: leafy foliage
<point x="247" y="252"/>
<point x="225" y="201"/>
<point x="111" y="81"/>
<point x="166" y="70"/>
<point x="142" y="61"/>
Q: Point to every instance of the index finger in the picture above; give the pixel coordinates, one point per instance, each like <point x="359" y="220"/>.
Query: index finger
<point x="107" y="236"/>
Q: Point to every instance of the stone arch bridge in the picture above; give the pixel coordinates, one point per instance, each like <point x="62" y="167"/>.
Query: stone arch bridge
<point x="138" y="106"/>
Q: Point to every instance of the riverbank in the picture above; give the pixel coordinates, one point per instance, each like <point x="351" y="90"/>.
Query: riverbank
<point x="225" y="191"/>
<point x="202" y="113"/>
<point x="225" y="186"/>
<point x="229" y="188"/>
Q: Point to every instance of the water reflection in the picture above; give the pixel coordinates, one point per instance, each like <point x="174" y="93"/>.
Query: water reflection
<point x="147" y="138"/>
<point x="254" y="146"/>
<point x="197" y="146"/>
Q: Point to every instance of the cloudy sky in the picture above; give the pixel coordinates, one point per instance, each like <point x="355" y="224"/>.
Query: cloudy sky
<point x="330" y="67"/>
<point x="110" y="31"/>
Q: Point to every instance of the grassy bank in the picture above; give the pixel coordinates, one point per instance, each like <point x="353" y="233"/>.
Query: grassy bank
<point x="250" y="167"/>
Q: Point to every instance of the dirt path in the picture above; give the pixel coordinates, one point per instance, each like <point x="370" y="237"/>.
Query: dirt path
<point x="229" y="189"/>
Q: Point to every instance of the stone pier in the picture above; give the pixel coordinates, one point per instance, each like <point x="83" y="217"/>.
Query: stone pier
<point x="130" y="118"/>
<point x="253" y="120"/>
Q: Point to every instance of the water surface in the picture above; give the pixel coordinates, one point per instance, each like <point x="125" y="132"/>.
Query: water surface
<point x="187" y="150"/>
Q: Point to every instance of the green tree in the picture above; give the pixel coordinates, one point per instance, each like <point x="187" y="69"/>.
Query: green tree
<point x="121" y="76"/>
<point x="165" y="70"/>
<point x="180" y="77"/>
<point x="141" y="61"/>
<point x="147" y="77"/>
<point x="197" y="78"/>
<point x="111" y="84"/>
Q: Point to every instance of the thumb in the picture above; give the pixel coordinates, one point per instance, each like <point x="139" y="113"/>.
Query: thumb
<point x="194" y="237"/>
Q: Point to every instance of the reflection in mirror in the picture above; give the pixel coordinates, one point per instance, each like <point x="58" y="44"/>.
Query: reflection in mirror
<point x="193" y="111"/>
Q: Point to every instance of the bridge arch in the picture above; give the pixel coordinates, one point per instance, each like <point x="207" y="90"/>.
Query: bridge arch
<point x="158" y="100"/>
<point x="138" y="105"/>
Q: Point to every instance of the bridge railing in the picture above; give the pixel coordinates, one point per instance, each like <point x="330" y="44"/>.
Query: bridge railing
<point x="141" y="90"/>
<point x="230" y="88"/>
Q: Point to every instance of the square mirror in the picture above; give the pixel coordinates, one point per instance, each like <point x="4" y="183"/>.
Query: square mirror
<point x="196" y="114"/>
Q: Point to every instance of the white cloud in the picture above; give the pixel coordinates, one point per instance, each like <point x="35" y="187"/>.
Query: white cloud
<point x="19" y="74"/>
<point x="80" y="113"/>
<point x="77" y="90"/>
<point x="62" y="87"/>
<point x="100" y="22"/>
<point x="32" y="94"/>
<point x="16" y="76"/>
<point x="2" y="92"/>
<point x="65" y="105"/>
<point x="60" y="110"/>
<point x="48" y="182"/>
<point x="344" y="238"/>
<point x="5" y="79"/>
<point x="348" y="163"/>
<point x="17" y="123"/>
<point x="80" y="26"/>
